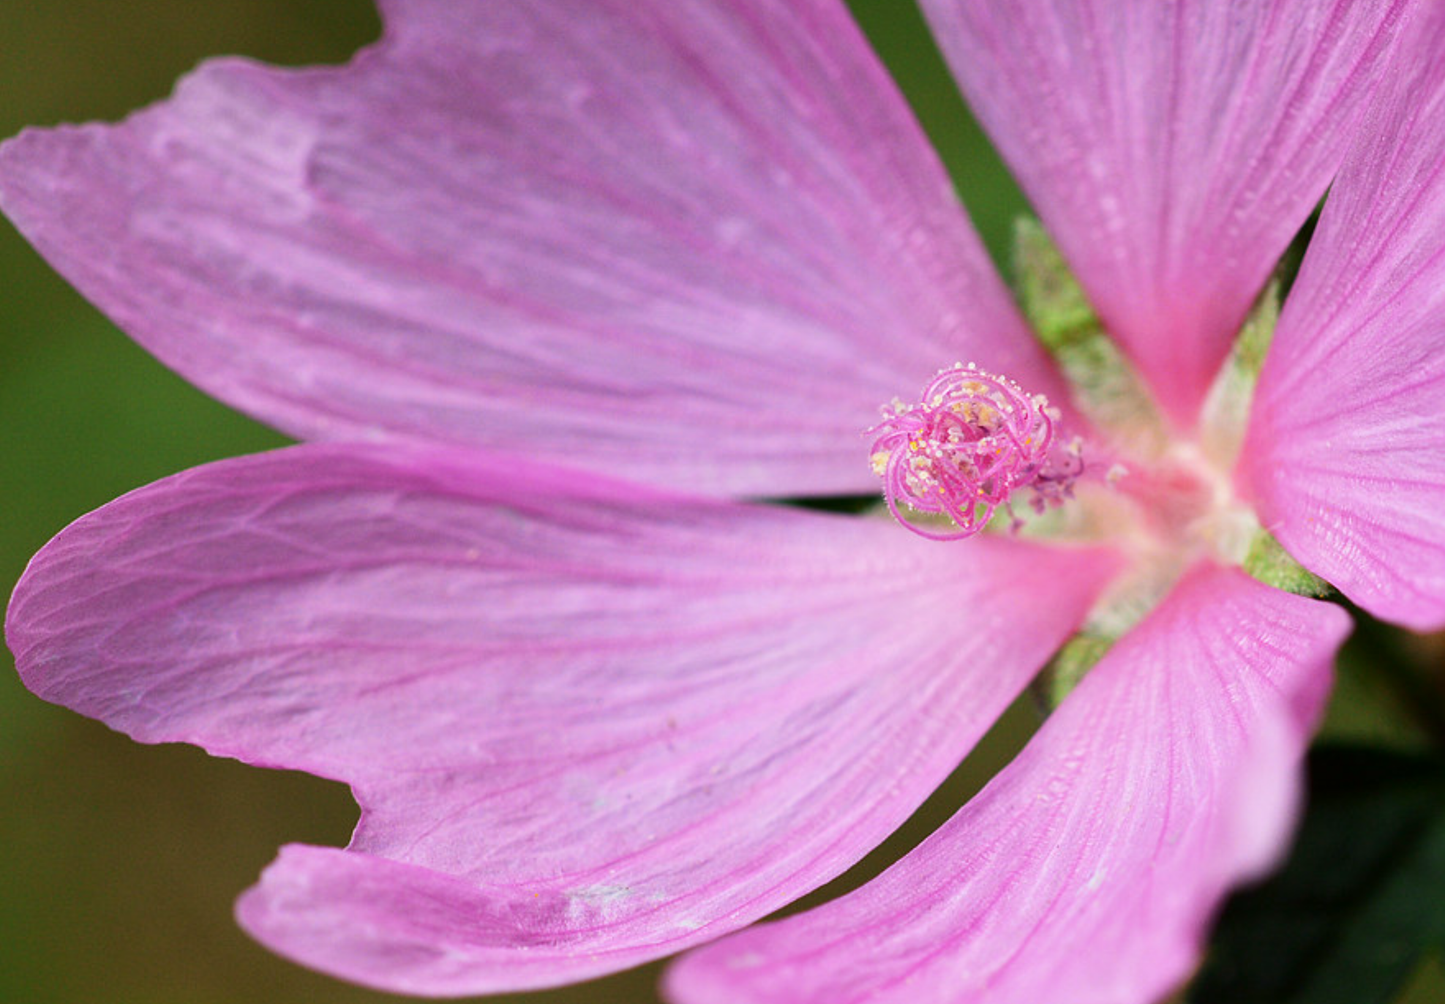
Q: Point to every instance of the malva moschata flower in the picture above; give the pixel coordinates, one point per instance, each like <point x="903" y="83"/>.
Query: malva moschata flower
<point x="552" y="291"/>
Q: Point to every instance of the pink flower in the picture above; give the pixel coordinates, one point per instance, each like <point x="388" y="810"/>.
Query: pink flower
<point x="547" y="286"/>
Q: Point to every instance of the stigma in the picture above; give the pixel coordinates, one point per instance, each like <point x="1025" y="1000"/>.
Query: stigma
<point x="966" y="449"/>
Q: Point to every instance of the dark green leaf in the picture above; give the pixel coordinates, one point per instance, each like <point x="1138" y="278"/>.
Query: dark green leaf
<point x="1358" y="903"/>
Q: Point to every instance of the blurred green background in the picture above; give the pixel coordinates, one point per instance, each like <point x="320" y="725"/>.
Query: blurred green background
<point x="121" y="861"/>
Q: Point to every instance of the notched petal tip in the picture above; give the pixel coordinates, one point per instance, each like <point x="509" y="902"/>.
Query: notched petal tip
<point x="699" y="265"/>
<point x="583" y="720"/>
<point x="409" y="930"/>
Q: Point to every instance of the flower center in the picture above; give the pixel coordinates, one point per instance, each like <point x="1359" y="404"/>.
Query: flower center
<point x="961" y="453"/>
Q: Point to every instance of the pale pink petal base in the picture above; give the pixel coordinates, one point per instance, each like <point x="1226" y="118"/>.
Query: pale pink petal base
<point x="1346" y="452"/>
<point x="693" y="243"/>
<point x="588" y="725"/>
<point x="1172" y="149"/>
<point x="1090" y="868"/>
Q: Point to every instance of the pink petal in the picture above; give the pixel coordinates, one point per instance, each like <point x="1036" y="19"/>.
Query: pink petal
<point x="1088" y="870"/>
<point x="689" y="242"/>
<point x="588" y="725"/>
<point x="1173" y="149"/>
<point x="1346" y="452"/>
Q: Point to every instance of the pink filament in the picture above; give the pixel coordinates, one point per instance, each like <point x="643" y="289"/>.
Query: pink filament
<point x="971" y="443"/>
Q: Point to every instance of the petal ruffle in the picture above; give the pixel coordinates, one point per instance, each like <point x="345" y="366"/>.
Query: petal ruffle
<point x="1172" y="149"/>
<point x="1346" y="451"/>
<point x="587" y="725"/>
<point x="1089" y="868"/>
<point x="683" y="241"/>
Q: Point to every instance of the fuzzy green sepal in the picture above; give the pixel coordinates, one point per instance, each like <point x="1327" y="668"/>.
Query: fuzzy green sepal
<point x="1106" y="387"/>
<point x="1052" y="299"/>
<point x="1271" y="564"/>
<point x="1068" y="666"/>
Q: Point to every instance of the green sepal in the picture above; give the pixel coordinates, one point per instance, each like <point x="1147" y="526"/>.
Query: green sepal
<point x="1052" y="299"/>
<point x="1258" y="331"/>
<point x="1225" y="415"/>
<point x="1105" y="385"/>
<point x="1271" y="564"/>
<point x="1068" y="666"/>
